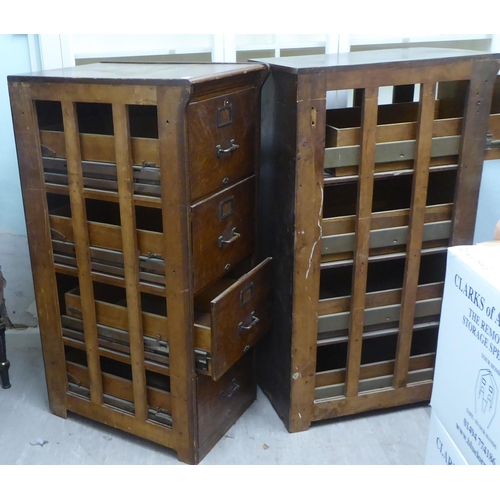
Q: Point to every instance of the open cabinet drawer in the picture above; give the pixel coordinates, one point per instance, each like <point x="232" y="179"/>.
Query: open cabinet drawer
<point x="230" y="317"/>
<point x="236" y="318"/>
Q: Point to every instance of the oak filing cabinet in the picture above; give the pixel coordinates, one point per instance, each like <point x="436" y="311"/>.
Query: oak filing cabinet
<point x="365" y="200"/>
<point x="139" y="186"/>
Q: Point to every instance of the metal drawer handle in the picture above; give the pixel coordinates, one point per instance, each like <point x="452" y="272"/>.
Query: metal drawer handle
<point x="234" y="387"/>
<point x="230" y="149"/>
<point x="490" y="143"/>
<point x="150" y="256"/>
<point x="254" y="321"/>
<point x="234" y="237"/>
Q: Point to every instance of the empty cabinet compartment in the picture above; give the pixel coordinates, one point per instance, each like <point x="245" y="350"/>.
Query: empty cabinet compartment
<point x="117" y="386"/>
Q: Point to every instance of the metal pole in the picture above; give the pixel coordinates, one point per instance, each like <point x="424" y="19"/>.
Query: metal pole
<point x="4" y="362"/>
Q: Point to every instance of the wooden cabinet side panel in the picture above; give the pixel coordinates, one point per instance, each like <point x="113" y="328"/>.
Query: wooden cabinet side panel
<point x="276" y="219"/>
<point x="178" y="271"/>
<point x="470" y="166"/>
<point x="310" y="155"/>
<point x="39" y="239"/>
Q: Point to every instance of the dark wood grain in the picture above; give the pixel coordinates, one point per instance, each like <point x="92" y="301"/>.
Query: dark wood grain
<point x="276" y="220"/>
<point x="214" y="217"/>
<point x="285" y="186"/>
<point x="247" y="299"/>
<point x="134" y="78"/>
<point x="478" y="105"/>
<point x="384" y="61"/>
<point x="219" y="401"/>
<point x="209" y="172"/>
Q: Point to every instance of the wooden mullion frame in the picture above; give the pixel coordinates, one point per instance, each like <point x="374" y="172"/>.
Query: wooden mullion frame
<point x="40" y="242"/>
<point x="130" y="256"/>
<point x="311" y="113"/>
<point x="80" y="230"/>
<point x="362" y="246"/>
<point x="472" y="146"/>
<point x="353" y="78"/>
<point x="172" y="131"/>
<point x="372" y="370"/>
<point x="375" y="400"/>
<point x="379" y="298"/>
<point x="152" y="431"/>
<point x="98" y="92"/>
<point x="425" y="124"/>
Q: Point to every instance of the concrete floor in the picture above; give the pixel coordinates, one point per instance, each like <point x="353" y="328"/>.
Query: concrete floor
<point x="30" y="434"/>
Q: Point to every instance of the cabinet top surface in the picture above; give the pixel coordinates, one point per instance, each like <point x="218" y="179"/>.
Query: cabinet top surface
<point x="389" y="57"/>
<point x="140" y="73"/>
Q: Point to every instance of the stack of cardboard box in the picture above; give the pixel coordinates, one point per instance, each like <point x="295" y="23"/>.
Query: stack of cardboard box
<point x="465" y="418"/>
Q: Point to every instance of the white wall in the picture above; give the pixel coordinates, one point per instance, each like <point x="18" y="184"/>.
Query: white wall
<point x="488" y="210"/>
<point x="58" y="50"/>
<point x="14" y="256"/>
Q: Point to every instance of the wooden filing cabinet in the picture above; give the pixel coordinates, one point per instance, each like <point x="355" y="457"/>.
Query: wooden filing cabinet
<point x="359" y="204"/>
<point x="139" y="185"/>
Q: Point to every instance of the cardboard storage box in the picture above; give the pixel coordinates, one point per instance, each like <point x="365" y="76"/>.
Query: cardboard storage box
<point x="467" y="375"/>
<point x="441" y="450"/>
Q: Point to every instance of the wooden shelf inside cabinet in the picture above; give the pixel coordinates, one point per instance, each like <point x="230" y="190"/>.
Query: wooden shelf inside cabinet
<point x="365" y="200"/>
<point x="140" y="192"/>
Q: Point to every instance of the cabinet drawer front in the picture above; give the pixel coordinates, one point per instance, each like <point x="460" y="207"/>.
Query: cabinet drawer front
<point x="239" y="317"/>
<point x="222" y="140"/>
<point x="219" y="401"/>
<point x="223" y="232"/>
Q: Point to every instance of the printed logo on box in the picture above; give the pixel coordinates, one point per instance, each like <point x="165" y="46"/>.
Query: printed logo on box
<point x="486" y="397"/>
